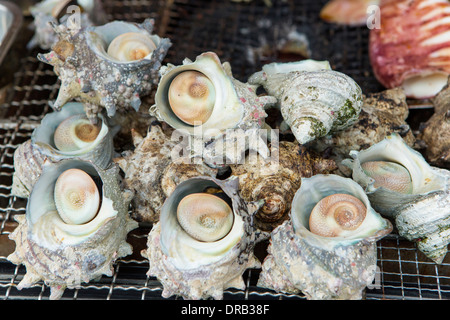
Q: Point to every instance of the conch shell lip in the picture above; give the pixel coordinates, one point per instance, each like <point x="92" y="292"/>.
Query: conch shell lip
<point x="42" y="136"/>
<point x="99" y="37"/>
<point x="208" y="64"/>
<point x="313" y="189"/>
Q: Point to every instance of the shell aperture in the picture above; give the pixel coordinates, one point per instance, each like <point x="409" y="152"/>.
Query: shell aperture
<point x="76" y="195"/>
<point x="389" y="175"/>
<point x="205" y="217"/>
<point x="335" y="214"/>
<point x="192" y="97"/>
<point x="131" y="46"/>
<point x="75" y="133"/>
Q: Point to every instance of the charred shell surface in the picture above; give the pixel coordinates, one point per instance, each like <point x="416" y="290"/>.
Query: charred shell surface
<point x="276" y="179"/>
<point x="152" y="174"/>
<point x="88" y="75"/>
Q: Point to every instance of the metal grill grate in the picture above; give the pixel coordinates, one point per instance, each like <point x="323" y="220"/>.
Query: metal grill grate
<point x="247" y="35"/>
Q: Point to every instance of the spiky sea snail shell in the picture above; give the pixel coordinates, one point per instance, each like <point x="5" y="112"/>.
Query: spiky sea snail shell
<point x="231" y="110"/>
<point x="313" y="99"/>
<point x="323" y="266"/>
<point x="45" y="139"/>
<point x="335" y="214"/>
<point x="74" y="133"/>
<point x="192" y="97"/>
<point x="422" y="215"/>
<point x="77" y="198"/>
<point x="204" y="216"/>
<point x="64" y="255"/>
<point x="195" y="269"/>
<point x="131" y="46"/>
<point x="90" y="75"/>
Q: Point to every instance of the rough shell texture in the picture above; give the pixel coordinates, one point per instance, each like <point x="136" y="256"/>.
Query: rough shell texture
<point x="64" y="264"/>
<point x="412" y="41"/>
<point x="238" y="112"/>
<point x="89" y="75"/>
<point x="152" y="173"/>
<point x="382" y="114"/>
<point x="312" y="103"/>
<point x="45" y="36"/>
<point x="424" y="215"/>
<point x="30" y="155"/>
<point x="436" y="131"/>
<point x="275" y="179"/>
<point x="323" y="267"/>
<point x="208" y="278"/>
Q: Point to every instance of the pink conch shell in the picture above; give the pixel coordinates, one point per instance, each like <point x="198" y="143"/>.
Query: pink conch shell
<point x="347" y="12"/>
<point x="411" y="49"/>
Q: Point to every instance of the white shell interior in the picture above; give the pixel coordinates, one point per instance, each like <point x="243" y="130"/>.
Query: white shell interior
<point x="44" y="133"/>
<point x="394" y="149"/>
<point x="48" y="229"/>
<point x="99" y="38"/>
<point x="184" y="251"/>
<point x="314" y="189"/>
<point x="228" y="110"/>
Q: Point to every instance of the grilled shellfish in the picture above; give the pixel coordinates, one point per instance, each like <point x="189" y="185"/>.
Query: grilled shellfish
<point x="61" y="135"/>
<point x="335" y="258"/>
<point x="184" y="257"/>
<point x="314" y="100"/>
<point x="75" y="226"/>
<point x="420" y="205"/>
<point x="91" y="75"/>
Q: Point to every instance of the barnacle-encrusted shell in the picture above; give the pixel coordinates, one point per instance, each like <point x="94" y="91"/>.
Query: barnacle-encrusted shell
<point x="322" y="267"/>
<point x="194" y="269"/>
<point x="88" y="74"/>
<point x="237" y="113"/>
<point x="314" y="100"/>
<point x="152" y="173"/>
<point x="422" y="216"/>
<point x="66" y="255"/>
<point x="275" y="179"/>
<point x="382" y="114"/>
<point x="30" y="155"/>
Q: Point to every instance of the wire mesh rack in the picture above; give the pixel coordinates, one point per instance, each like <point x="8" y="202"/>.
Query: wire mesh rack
<point x="248" y="35"/>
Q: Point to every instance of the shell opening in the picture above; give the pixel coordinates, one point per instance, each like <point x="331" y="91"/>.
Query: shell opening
<point x="75" y="133"/>
<point x="77" y="197"/>
<point x="205" y="216"/>
<point x="131" y="46"/>
<point x="336" y="213"/>
<point x="192" y="97"/>
<point x="389" y="175"/>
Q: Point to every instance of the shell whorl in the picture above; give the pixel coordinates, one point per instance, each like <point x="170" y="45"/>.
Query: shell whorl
<point x="76" y="195"/>
<point x="192" y="97"/>
<point x="131" y="46"/>
<point x="205" y="217"/>
<point x="389" y="175"/>
<point x="335" y="214"/>
<point x="75" y="133"/>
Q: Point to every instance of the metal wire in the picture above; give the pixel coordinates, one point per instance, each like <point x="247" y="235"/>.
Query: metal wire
<point x="247" y="35"/>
